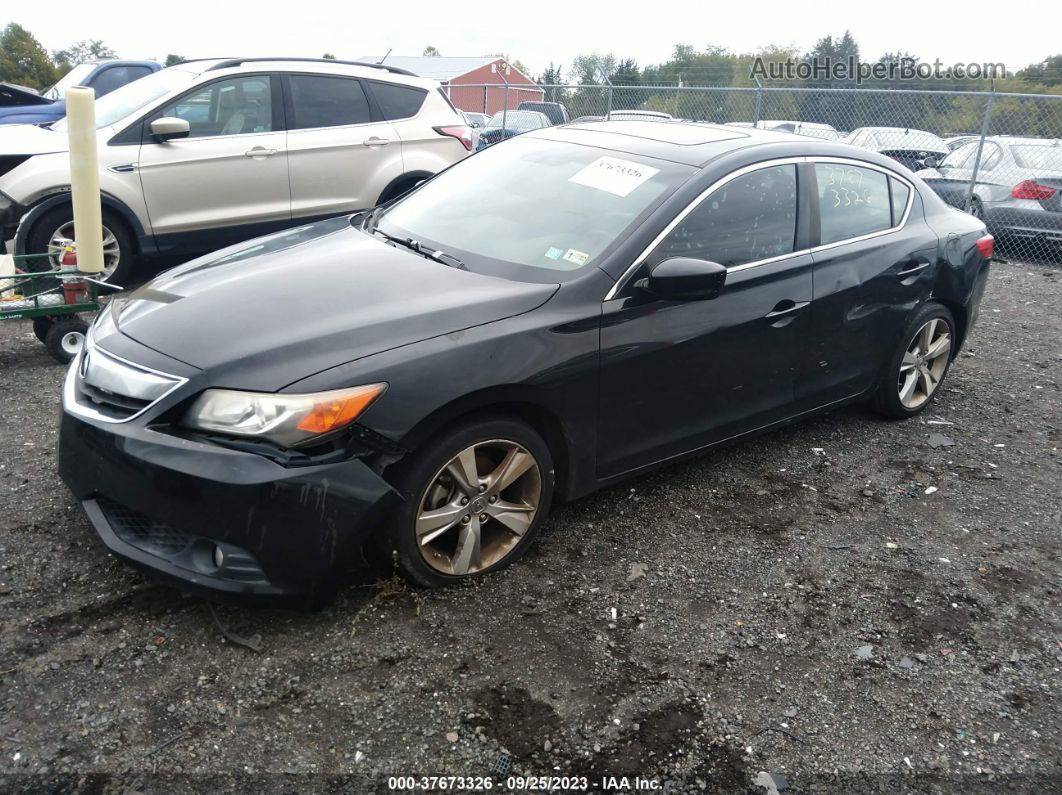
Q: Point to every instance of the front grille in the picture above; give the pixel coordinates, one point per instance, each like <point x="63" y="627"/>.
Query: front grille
<point x="112" y="389"/>
<point x="111" y="404"/>
<point x="143" y="532"/>
<point x="188" y="551"/>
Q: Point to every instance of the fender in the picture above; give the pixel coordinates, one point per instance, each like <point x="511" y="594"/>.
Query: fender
<point x="145" y="243"/>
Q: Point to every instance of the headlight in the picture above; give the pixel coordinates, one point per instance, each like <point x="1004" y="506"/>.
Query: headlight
<point x="286" y="420"/>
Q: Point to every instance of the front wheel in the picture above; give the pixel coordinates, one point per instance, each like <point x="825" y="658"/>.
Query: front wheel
<point x="918" y="367"/>
<point x="474" y="500"/>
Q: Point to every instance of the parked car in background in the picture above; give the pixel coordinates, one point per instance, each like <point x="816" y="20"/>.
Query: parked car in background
<point x="638" y="115"/>
<point x="208" y="153"/>
<point x="20" y="105"/>
<point x="516" y="122"/>
<point x="911" y="147"/>
<point x="585" y="119"/>
<point x="826" y="132"/>
<point x="1018" y="192"/>
<point x="542" y="320"/>
<point x="475" y="122"/>
<point x="555" y="111"/>
<point x="955" y="141"/>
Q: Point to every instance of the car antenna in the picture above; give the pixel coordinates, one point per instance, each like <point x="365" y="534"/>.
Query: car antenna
<point x="385" y="56"/>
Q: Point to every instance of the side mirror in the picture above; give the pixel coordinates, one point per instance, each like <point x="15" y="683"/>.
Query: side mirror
<point x="169" y="127"/>
<point x="685" y="279"/>
<point x="931" y="162"/>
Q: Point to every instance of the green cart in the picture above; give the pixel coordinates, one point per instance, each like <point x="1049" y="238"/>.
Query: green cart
<point x="54" y="301"/>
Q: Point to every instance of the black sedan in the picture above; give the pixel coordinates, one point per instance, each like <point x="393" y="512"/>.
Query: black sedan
<point x="433" y="374"/>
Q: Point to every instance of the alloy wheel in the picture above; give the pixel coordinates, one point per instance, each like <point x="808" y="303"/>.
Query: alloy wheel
<point x="64" y="236"/>
<point x="478" y="507"/>
<point x="924" y="363"/>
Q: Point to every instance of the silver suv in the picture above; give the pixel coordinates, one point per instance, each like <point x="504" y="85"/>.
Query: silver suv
<point x="209" y="153"/>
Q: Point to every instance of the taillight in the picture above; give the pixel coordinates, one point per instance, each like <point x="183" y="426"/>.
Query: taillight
<point x="987" y="246"/>
<point x="462" y="133"/>
<point x="1031" y="189"/>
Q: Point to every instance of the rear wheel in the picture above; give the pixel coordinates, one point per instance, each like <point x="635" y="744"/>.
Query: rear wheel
<point x="400" y="188"/>
<point x="474" y="500"/>
<point x="918" y="367"/>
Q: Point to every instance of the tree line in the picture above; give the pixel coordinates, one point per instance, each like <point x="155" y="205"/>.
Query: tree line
<point x="607" y="80"/>
<point x="25" y="62"/>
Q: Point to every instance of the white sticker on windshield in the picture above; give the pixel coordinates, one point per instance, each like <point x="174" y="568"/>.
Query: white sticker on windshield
<point x="614" y="175"/>
<point x="578" y="257"/>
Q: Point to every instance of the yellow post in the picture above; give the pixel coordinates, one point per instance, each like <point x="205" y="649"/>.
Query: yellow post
<point x="85" y="178"/>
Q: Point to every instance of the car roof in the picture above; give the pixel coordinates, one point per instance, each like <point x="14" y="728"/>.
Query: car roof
<point x="690" y="143"/>
<point x="697" y="143"/>
<point x="905" y="130"/>
<point x="1022" y="139"/>
<point x="224" y="66"/>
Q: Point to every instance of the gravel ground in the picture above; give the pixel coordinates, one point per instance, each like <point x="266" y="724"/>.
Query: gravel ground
<point x="841" y="605"/>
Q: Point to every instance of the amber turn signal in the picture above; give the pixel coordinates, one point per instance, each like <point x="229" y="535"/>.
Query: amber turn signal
<point x="339" y="409"/>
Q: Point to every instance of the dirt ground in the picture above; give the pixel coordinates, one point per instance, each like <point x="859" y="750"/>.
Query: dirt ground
<point x="847" y="605"/>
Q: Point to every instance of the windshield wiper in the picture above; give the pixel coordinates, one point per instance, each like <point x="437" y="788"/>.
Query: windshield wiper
<point x="418" y="247"/>
<point x="369" y="224"/>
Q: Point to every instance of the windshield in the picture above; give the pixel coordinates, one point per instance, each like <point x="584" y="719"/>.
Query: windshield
<point x="1042" y="157"/>
<point x="131" y="97"/>
<point x="517" y="120"/>
<point x="532" y="209"/>
<point x="71" y="78"/>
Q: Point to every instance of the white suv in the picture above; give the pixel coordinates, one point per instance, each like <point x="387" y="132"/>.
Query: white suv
<point x="209" y="153"/>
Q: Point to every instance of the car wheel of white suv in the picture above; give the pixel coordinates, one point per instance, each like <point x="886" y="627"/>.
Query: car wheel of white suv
<point x="55" y="229"/>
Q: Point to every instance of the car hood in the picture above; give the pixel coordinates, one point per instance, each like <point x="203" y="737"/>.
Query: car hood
<point x="12" y="95"/>
<point x="33" y="114"/>
<point x="29" y="139"/>
<point x="275" y="310"/>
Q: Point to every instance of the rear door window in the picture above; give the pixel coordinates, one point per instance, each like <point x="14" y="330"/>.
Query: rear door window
<point x="750" y="218"/>
<point x="853" y="201"/>
<point x="398" y="102"/>
<point x="319" y="101"/>
<point x="901" y="194"/>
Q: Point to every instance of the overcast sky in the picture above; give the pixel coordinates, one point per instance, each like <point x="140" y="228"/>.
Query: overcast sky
<point x="1015" y="33"/>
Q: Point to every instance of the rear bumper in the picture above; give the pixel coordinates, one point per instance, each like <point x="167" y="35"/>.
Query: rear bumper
<point x="1005" y="218"/>
<point x="163" y="503"/>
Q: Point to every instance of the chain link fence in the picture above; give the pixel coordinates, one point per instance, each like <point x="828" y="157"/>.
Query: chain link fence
<point x="997" y="156"/>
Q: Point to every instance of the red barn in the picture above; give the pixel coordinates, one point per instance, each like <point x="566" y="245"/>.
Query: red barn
<point x="476" y="85"/>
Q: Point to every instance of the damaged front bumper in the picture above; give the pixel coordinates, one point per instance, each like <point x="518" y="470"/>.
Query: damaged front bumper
<point x="216" y="520"/>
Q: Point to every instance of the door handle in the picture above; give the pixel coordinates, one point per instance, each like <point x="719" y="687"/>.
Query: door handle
<point x="911" y="268"/>
<point x="259" y="151"/>
<point x="786" y="307"/>
<point x="376" y="141"/>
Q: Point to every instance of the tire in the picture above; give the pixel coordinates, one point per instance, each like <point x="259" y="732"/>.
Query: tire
<point x="65" y="338"/>
<point x="49" y="224"/>
<point x="41" y="325"/>
<point x="911" y="356"/>
<point x="426" y="485"/>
